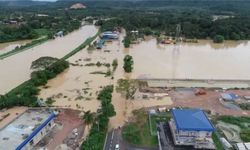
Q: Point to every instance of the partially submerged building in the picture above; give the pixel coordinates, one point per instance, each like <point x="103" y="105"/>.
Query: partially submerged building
<point x="27" y="130"/>
<point x="109" y="35"/>
<point x="191" y="127"/>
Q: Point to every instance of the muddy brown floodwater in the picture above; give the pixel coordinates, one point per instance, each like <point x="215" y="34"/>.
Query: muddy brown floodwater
<point x="77" y="88"/>
<point x="204" y="60"/>
<point x="16" y="69"/>
<point x="6" y="47"/>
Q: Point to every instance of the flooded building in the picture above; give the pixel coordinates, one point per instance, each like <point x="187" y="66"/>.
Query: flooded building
<point x="191" y="127"/>
<point x="27" y="129"/>
<point x="109" y="35"/>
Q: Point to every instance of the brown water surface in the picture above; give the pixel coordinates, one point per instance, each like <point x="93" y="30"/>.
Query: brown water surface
<point x="16" y="69"/>
<point x="6" y="47"/>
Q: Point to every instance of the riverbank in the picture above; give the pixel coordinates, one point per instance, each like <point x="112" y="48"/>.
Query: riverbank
<point x="24" y="47"/>
<point x="16" y="69"/>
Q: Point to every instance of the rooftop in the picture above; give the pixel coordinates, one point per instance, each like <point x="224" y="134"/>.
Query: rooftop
<point x="191" y="120"/>
<point x="22" y="127"/>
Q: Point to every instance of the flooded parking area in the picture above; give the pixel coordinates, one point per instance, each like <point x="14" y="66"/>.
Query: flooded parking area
<point x="16" y="69"/>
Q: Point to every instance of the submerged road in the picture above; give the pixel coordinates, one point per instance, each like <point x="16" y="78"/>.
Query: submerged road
<point x="16" y="68"/>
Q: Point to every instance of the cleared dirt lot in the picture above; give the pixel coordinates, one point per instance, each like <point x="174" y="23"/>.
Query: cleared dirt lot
<point x="210" y="101"/>
<point x="68" y="131"/>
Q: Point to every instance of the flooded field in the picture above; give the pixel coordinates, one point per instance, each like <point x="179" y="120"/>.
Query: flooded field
<point x="6" y="47"/>
<point x="16" y="69"/>
<point x="78" y="87"/>
<point x="203" y="60"/>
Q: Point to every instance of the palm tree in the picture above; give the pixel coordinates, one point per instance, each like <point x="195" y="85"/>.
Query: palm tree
<point x="89" y="117"/>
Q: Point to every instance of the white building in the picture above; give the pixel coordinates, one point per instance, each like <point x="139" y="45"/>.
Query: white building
<point x="191" y="127"/>
<point x="26" y="130"/>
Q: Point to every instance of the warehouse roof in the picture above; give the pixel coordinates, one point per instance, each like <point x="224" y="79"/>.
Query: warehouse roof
<point x="191" y="120"/>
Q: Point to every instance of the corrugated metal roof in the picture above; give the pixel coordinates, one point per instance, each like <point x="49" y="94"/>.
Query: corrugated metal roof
<point x="192" y="120"/>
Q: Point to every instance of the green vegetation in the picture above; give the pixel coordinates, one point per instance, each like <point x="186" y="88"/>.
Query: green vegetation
<point x="165" y="117"/>
<point x="127" y="42"/>
<point x="114" y="64"/>
<point x="89" y="117"/>
<point x="16" y="32"/>
<point x="138" y="132"/>
<point x="24" y="47"/>
<point x="217" y="142"/>
<point x="43" y="63"/>
<point x="26" y="93"/>
<point x="30" y="22"/>
<point x="96" y="138"/>
<point x="127" y="88"/>
<point x="128" y="63"/>
<point x="82" y="46"/>
<point x="218" y="39"/>
<point x="245" y="135"/>
<point x="245" y="106"/>
<point x="242" y="122"/>
<point x="49" y="101"/>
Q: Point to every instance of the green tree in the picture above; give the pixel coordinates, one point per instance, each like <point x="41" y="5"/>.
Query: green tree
<point x="89" y="117"/>
<point x="115" y="64"/>
<point x="126" y="42"/>
<point x="218" y="39"/>
<point x="128" y="63"/>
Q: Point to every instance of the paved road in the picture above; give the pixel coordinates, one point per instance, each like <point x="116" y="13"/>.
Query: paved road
<point x="115" y="137"/>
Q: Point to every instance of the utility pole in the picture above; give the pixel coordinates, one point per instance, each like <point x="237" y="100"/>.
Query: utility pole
<point x="178" y="33"/>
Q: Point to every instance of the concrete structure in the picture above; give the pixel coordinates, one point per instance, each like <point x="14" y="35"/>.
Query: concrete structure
<point x="191" y="127"/>
<point x="27" y="129"/>
<point x="243" y="146"/>
<point x="225" y="143"/>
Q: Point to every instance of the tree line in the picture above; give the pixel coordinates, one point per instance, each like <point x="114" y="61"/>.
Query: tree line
<point x="97" y="135"/>
<point x="26" y="93"/>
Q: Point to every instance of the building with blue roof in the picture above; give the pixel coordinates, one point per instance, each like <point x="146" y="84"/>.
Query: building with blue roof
<point x="192" y="127"/>
<point x="108" y="35"/>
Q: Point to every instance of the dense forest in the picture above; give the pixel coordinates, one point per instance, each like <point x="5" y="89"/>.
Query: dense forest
<point x="17" y="23"/>
<point x="198" y="19"/>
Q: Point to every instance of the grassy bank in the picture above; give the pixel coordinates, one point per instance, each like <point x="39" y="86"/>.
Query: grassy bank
<point x="217" y="142"/>
<point x="82" y="46"/>
<point x="138" y="131"/>
<point x="154" y="119"/>
<point x="26" y="93"/>
<point x="242" y="122"/>
<point x="24" y="47"/>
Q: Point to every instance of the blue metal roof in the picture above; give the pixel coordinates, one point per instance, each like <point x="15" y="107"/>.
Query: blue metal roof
<point x="191" y="120"/>
<point x="37" y="130"/>
<point x="229" y="96"/>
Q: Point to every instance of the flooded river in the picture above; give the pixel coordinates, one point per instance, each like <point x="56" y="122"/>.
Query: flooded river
<point x="16" y="69"/>
<point x="6" y="47"/>
<point x="204" y="60"/>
